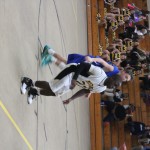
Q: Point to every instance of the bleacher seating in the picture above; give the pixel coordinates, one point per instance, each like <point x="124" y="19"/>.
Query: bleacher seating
<point x="105" y="137"/>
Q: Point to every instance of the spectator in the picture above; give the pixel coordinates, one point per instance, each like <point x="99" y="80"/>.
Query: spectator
<point x="145" y="85"/>
<point x="140" y="147"/>
<point x="116" y="111"/>
<point x="110" y="2"/>
<point x="122" y="147"/>
<point x="109" y="68"/>
<point x="136" y="128"/>
<point x="144" y="141"/>
<point x="146" y="98"/>
<point x="115" y="95"/>
<point x="89" y="77"/>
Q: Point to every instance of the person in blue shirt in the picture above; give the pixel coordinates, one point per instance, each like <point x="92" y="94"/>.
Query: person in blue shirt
<point x="46" y="57"/>
<point x="49" y="55"/>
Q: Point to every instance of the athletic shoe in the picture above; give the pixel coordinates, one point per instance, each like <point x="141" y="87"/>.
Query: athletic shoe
<point x="45" y="51"/>
<point x="32" y="93"/>
<point x="26" y="83"/>
<point x="46" y="60"/>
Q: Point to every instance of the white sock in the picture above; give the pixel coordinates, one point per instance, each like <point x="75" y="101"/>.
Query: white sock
<point x="23" y="88"/>
<point x="62" y="65"/>
<point x="54" y="59"/>
<point x="33" y="83"/>
<point x="38" y="91"/>
<point x="51" y="51"/>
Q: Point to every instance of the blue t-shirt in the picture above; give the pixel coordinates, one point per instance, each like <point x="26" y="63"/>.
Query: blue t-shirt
<point x="77" y="58"/>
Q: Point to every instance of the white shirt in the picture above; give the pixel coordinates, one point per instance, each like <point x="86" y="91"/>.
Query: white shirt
<point x="94" y="82"/>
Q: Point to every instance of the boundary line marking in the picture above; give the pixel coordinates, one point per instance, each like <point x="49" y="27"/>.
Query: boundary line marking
<point x="15" y="125"/>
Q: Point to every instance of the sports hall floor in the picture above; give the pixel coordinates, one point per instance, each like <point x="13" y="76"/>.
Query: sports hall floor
<point x="25" y="27"/>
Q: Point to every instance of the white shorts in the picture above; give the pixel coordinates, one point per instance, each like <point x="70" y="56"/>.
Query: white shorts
<point x="60" y="87"/>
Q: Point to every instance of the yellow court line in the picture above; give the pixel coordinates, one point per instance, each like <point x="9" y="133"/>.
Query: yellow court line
<point x="15" y="125"/>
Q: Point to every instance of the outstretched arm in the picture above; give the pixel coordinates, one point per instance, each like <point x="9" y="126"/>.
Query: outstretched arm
<point x="107" y="66"/>
<point x="80" y="93"/>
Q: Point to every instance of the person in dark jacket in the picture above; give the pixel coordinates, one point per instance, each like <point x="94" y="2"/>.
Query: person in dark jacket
<point x="146" y="82"/>
<point x="136" y="128"/>
<point x="116" y="111"/>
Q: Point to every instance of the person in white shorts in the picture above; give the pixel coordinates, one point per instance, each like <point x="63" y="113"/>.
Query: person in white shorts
<point x="89" y="77"/>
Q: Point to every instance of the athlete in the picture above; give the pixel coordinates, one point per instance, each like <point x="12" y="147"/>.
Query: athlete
<point x="90" y="78"/>
<point x="109" y="68"/>
<point x="49" y="55"/>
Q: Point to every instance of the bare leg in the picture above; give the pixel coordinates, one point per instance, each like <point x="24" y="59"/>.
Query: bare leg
<point x="60" y="64"/>
<point x="44" y="88"/>
<point x="60" y="58"/>
<point x="47" y="92"/>
<point x="110" y="15"/>
<point x="57" y="59"/>
<point x="42" y="85"/>
<point x="115" y="10"/>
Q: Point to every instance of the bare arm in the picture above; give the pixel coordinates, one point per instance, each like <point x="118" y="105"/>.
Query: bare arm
<point x="115" y="51"/>
<point x="110" y="2"/>
<point x="127" y="39"/>
<point x="106" y="52"/>
<point x="100" y="60"/>
<point x="78" y="94"/>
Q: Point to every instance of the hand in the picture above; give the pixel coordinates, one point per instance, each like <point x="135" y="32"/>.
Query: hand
<point x="66" y="101"/>
<point x="88" y="95"/>
<point x="106" y="52"/>
<point x="73" y="84"/>
<point x="88" y="59"/>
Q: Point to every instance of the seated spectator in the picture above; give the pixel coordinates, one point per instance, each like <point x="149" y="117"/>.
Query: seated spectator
<point x="137" y="54"/>
<point x="113" y="21"/>
<point x="115" y="95"/>
<point x="145" y="135"/>
<point x="133" y="33"/>
<point x="130" y="44"/>
<point x="146" y="98"/>
<point x="122" y="11"/>
<point x="110" y="2"/>
<point x="111" y="54"/>
<point x="144" y="141"/>
<point x="140" y="147"/>
<point x="136" y="128"/>
<point x="145" y="85"/>
<point x="134" y="18"/>
<point x="137" y="11"/>
<point x="123" y="46"/>
<point x="133" y="66"/>
<point x="122" y="147"/>
<point x="117" y="112"/>
<point x="140" y="27"/>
